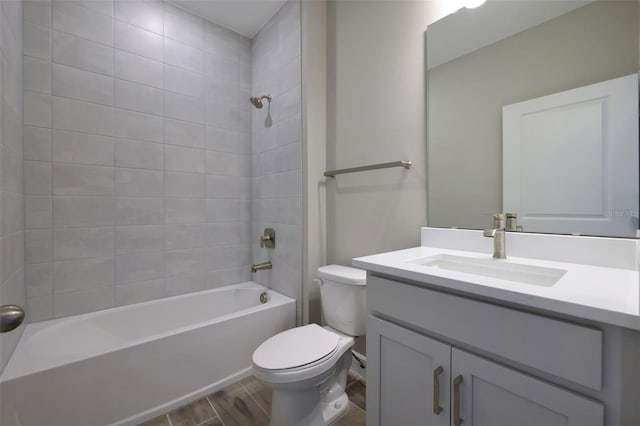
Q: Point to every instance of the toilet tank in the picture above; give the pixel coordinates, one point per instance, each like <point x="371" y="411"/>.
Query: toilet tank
<point x="343" y="293"/>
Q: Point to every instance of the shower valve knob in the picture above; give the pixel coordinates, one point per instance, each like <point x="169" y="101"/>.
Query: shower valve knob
<point x="268" y="239"/>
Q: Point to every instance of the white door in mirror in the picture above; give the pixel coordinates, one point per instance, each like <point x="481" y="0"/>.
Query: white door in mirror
<point x="595" y="129"/>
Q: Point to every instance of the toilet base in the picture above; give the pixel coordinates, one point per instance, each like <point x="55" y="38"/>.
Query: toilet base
<point x="336" y="409"/>
<point x="296" y="409"/>
<point x="313" y="404"/>
<point x="302" y="408"/>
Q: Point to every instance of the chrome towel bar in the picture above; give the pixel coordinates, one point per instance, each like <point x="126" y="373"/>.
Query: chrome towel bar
<point x="333" y="173"/>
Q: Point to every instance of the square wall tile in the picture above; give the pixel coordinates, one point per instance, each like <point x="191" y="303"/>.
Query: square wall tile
<point x="83" y="274"/>
<point x="139" y="211"/>
<point x="141" y="13"/>
<point x="82" y="211"/>
<point x="37" y="178"/>
<point x="80" y="53"/>
<point x="139" y="155"/>
<point x="75" y="179"/>
<point x="82" y="148"/>
<point x="75" y="18"/>
<point x="82" y="85"/>
<point x="37" y="143"/>
<point x="37" y="109"/>
<point x="139" y="41"/>
<point x="183" y="159"/>
<point x="38" y="212"/>
<point x="36" y="75"/>
<point x="139" y="183"/>
<point x="138" y="69"/>
<point x="82" y="243"/>
<point x="137" y="97"/>
<point x="36" y="41"/>
<point x="78" y="302"/>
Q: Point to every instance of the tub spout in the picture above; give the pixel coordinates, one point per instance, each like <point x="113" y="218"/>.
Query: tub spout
<point x="261" y="266"/>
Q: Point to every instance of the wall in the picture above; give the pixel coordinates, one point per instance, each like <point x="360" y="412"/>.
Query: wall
<point x="12" y="288"/>
<point x="277" y="152"/>
<point x="137" y="154"/>
<point x="602" y="39"/>
<point x="376" y="113"/>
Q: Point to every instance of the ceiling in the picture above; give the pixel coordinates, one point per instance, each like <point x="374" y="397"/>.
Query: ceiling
<point x="245" y="17"/>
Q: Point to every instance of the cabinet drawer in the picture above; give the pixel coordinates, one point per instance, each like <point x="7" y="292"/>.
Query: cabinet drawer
<point x="560" y="348"/>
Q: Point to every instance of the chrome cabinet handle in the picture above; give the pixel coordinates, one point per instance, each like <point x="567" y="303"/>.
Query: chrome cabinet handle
<point x="437" y="409"/>
<point x="457" y="421"/>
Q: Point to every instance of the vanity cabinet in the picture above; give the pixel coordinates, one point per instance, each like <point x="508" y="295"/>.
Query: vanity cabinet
<point x="436" y="358"/>
<point x="416" y="380"/>
<point x="407" y="377"/>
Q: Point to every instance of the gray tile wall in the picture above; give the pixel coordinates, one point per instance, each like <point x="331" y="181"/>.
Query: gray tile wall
<point x="137" y="165"/>
<point x="12" y="287"/>
<point x="277" y="151"/>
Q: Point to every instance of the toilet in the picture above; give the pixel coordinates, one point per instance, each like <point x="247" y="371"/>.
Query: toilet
<point x="307" y="366"/>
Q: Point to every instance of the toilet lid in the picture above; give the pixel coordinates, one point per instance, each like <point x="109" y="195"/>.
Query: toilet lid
<point x="295" y="347"/>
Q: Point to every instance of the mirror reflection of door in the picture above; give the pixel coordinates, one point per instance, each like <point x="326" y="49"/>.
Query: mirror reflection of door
<point x="568" y="160"/>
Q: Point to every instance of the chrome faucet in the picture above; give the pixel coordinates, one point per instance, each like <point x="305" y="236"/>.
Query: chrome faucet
<point x="499" y="246"/>
<point x="261" y="266"/>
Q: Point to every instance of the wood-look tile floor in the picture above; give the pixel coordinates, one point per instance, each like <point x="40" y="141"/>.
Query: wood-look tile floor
<point x="248" y="403"/>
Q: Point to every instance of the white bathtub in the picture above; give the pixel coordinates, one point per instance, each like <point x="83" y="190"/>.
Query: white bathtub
<point x="128" y="364"/>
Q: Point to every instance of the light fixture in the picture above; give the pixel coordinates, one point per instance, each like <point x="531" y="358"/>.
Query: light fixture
<point x="470" y="4"/>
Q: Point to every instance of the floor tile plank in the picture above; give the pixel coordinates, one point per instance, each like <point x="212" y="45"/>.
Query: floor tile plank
<point x="213" y="422"/>
<point x="357" y="393"/>
<point x="244" y="404"/>
<point x="354" y="417"/>
<point x="158" y="421"/>
<point x="193" y="414"/>
<point x="259" y="392"/>
<point x="236" y="407"/>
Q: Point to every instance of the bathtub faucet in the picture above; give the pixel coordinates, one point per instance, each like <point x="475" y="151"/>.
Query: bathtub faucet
<point x="261" y="266"/>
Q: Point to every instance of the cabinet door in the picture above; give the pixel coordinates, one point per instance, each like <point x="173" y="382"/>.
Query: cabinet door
<point x="407" y="375"/>
<point x="489" y="394"/>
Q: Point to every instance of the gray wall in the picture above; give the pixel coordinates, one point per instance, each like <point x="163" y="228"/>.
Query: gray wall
<point x="12" y="288"/>
<point x="277" y="152"/>
<point x="376" y="113"/>
<point x="591" y="44"/>
<point x="137" y="154"/>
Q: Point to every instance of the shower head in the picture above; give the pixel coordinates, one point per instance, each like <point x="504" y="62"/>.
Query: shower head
<point x="257" y="101"/>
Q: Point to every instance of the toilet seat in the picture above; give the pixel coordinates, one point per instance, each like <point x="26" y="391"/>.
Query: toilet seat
<point x="315" y="358"/>
<point x="296" y="347"/>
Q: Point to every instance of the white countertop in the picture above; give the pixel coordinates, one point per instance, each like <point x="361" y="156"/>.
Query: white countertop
<point x="603" y="294"/>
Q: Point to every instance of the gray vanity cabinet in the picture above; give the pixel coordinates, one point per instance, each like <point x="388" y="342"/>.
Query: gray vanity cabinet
<point x="415" y="380"/>
<point x="459" y="376"/>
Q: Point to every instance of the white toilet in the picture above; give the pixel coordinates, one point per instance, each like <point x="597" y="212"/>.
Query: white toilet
<point x="307" y="366"/>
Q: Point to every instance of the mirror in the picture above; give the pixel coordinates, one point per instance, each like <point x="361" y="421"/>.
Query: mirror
<point x="508" y="53"/>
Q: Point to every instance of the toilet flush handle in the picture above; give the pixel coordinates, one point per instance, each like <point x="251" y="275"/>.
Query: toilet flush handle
<point x="318" y="281"/>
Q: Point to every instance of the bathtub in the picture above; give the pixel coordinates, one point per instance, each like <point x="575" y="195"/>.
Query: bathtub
<point x="128" y="364"/>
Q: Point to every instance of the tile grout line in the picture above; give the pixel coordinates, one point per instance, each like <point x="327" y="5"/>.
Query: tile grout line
<point x="214" y="410"/>
<point x="164" y="158"/>
<point x="53" y="290"/>
<point x="254" y="400"/>
<point x="169" y="419"/>
<point x="208" y="420"/>
<point x="113" y="147"/>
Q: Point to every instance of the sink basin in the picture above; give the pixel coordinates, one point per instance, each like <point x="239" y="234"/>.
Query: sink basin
<point x="494" y="268"/>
